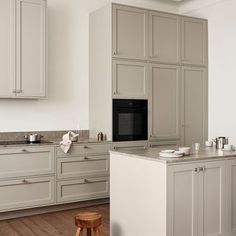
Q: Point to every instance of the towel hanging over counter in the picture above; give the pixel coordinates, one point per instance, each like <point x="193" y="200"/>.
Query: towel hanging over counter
<point x="67" y="139"/>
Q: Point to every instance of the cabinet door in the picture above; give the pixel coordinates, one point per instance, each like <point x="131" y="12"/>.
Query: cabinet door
<point x="7" y="42"/>
<point x="231" y="197"/>
<point x="182" y="203"/>
<point x="164" y="102"/>
<point x="212" y="182"/>
<point x="194" y="105"/>
<point x="31" y="48"/>
<point x="194" y="41"/>
<point x="129" y="32"/>
<point x="164" y="35"/>
<point x="129" y="79"/>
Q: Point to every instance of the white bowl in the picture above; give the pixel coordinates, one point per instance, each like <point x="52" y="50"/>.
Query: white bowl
<point x="186" y="150"/>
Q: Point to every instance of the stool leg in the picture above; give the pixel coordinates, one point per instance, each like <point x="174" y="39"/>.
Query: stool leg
<point x="89" y="232"/>
<point x="96" y="232"/>
<point x="79" y="232"/>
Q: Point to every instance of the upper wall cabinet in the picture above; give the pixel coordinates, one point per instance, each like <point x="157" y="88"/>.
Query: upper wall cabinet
<point x="130" y="33"/>
<point x="194" y="41"/>
<point x="31" y="48"/>
<point x="164" y="37"/>
<point x="7" y="83"/>
<point x="130" y="79"/>
<point x="23" y="47"/>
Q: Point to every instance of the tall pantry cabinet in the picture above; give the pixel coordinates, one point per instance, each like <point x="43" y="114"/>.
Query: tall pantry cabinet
<point x="138" y="53"/>
<point x="23" y="48"/>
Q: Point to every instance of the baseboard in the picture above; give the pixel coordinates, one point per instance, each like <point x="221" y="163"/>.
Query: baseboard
<point x="48" y="209"/>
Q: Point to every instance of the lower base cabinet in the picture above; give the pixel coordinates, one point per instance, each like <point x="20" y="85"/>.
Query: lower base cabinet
<point x="197" y="199"/>
<point x="82" y="189"/>
<point x="26" y="193"/>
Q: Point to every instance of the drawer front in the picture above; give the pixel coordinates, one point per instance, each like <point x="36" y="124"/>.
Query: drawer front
<point x="83" y="189"/>
<point x="94" y="149"/>
<point x="26" y="161"/>
<point x="82" y="166"/>
<point x="75" y="150"/>
<point x="24" y="193"/>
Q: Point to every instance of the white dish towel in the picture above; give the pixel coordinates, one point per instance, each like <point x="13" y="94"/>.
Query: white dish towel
<point x="66" y="142"/>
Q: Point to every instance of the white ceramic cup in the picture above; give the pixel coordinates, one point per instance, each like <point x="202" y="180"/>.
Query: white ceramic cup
<point x="185" y="150"/>
<point x="209" y="143"/>
<point x="228" y="147"/>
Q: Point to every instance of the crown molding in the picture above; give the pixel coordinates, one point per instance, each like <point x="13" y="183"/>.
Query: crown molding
<point x="186" y="7"/>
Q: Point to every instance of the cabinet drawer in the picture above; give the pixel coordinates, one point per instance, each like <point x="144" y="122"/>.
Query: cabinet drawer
<point x="94" y="149"/>
<point x="82" y="166"/>
<point x="26" y="161"/>
<point x="75" y="150"/>
<point x="22" y="193"/>
<point x="83" y="189"/>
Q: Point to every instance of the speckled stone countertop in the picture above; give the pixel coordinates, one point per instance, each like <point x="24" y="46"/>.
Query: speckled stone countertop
<point x="152" y="154"/>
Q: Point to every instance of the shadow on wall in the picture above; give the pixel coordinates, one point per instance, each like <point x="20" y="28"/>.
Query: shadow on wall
<point x="116" y="229"/>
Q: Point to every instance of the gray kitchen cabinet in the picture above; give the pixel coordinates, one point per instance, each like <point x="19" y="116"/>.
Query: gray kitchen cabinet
<point x="7" y="82"/>
<point x="82" y="189"/>
<point x="194" y="41"/>
<point x="26" y="192"/>
<point x="130" y="79"/>
<point x="83" y="172"/>
<point x="26" y="177"/>
<point x="231" y="197"/>
<point x="196" y="199"/>
<point x="23" y="48"/>
<point x="31" y="48"/>
<point x="164" y="102"/>
<point x="129" y="32"/>
<point x="164" y="37"/>
<point x="194" y="105"/>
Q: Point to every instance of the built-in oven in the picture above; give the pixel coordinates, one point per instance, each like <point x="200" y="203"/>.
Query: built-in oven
<point x="130" y="119"/>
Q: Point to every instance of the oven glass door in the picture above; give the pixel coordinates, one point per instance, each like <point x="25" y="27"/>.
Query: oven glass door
<point x="130" y="123"/>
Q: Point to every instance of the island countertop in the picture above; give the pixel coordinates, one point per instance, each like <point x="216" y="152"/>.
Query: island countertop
<point x="152" y="154"/>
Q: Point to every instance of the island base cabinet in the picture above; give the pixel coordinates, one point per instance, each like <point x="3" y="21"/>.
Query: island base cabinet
<point x="231" y="197"/>
<point x="196" y="199"/>
<point x="26" y="193"/>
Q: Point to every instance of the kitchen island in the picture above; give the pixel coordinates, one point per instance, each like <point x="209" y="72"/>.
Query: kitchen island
<point x="189" y="196"/>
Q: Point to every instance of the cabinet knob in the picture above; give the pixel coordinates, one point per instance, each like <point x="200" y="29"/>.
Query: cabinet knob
<point x="196" y="169"/>
<point x="86" y="158"/>
<point x="86" y="180"/>
<point x="85" y="147"/>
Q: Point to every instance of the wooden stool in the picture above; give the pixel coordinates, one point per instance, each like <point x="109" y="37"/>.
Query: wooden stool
<point x="90" y="221"/>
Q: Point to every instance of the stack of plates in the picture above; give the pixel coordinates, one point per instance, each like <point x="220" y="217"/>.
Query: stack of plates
<point x="171" y="153"/>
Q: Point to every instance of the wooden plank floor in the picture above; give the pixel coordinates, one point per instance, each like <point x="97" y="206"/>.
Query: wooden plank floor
<point x="51" y="224"/>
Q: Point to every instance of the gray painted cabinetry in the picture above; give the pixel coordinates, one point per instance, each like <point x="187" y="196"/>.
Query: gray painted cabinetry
<point x="153" y="55"/>
<point x="23" y="48"/>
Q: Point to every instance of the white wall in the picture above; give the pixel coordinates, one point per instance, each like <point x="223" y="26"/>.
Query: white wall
<point x="222" y="67"/>
<point x="67" y="103"/>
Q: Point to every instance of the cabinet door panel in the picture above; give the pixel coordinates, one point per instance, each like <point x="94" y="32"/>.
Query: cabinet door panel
<point x="164" y="101"/>
<point x="182" y="200"/>
<point x="194" y="41"/>
<point x="129" y="79"/>
<point x="231" y="197"/>
<point x="31" y="74"/>
<point x="194" y="105"/>
<point x="164" y="37"/>
<point x="129" y="32"/>
<point x="7" y="82"/>
<point x="212" y="200"/>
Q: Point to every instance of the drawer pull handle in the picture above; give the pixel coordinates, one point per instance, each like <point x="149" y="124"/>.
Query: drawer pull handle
<point x="24" y="150"/>
<point x="86" y="158"/>
<point x="86" y="181"/>
<point x="25" y="181"/>
<point x="85" y="147"/>
<point x="197" y="169"/>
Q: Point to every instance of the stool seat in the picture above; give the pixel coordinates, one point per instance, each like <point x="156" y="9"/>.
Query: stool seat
<point x="88" y="220"/>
